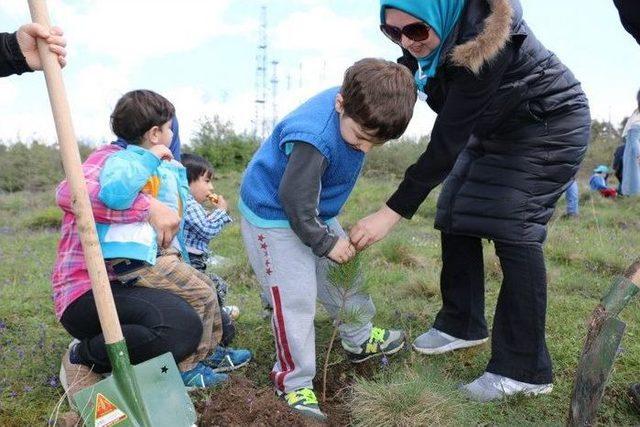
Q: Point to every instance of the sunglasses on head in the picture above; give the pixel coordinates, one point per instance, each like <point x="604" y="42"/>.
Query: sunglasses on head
<point x="417" y="32"/>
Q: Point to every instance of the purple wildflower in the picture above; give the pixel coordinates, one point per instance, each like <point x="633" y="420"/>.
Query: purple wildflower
<point x="53" y="381"/>
<point x="28" y="388"/>
<point x="384" y="362"/>
<point x="13" y="394"/>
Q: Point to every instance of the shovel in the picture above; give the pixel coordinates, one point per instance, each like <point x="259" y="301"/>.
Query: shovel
<point x="151" y="393"/>
<point x="600" y="348"/>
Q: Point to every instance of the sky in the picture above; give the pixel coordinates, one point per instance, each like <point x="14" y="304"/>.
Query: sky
<point x="201" y="54"/>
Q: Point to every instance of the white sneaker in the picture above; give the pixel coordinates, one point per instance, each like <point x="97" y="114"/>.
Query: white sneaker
<point x="490" y="387"/>
<point x="437" y="342"/>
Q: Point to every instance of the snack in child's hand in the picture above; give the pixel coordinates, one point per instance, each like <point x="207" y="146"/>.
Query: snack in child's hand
<point x="213" y="198"/>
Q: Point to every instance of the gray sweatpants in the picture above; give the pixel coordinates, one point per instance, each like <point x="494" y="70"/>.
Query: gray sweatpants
<point x="293" y="277"/>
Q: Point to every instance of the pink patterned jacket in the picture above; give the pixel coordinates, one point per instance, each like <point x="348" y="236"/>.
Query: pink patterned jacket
<point x="70" y="278"/>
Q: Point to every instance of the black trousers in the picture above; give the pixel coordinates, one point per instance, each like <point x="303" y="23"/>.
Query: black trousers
<point x="518" y="345"/>
<point x="153" y="322"/>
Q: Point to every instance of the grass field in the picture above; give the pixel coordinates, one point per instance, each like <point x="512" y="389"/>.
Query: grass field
<point x="582" y="258"/>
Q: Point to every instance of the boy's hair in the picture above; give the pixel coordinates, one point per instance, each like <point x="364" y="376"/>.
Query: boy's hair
<point x="196" y="166"/>
<point x="638" y="99"/>
<point x="137" y="112"/>
<point x="379" y="95"/>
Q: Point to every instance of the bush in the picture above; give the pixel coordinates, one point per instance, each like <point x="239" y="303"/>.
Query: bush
<point x="50" y="217"/>
<point x="217" y="142"/>
<point x="394" y="157"/>
<point x="33" y="167"/>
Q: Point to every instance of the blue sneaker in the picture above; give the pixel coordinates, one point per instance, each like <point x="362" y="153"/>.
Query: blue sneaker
<point x="202" y="376"/>
<point x="225" y="359"/>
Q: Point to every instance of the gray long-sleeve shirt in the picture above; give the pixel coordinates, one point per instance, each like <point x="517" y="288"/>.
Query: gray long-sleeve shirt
<point x="299" y="194"/>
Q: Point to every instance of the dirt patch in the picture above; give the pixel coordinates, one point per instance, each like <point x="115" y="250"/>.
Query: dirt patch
<point x="242" y="402"/>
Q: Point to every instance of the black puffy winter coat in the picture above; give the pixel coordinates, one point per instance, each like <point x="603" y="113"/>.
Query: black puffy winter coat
<point x="11" y="58"/>
<point x="512" y="119"/>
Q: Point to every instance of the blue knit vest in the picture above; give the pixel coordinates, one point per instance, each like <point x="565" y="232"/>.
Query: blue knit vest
<point x="317" y="123"/>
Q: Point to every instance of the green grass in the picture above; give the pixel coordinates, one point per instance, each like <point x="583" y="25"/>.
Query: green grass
<point x="402" y="273"/>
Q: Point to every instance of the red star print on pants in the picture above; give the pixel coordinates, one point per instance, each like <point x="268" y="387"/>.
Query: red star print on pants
<point x="267" y="260"/>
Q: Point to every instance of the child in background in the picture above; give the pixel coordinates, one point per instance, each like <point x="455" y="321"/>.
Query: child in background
<point x="572" y="195"/>
<point x="201" y="226"/>
<point x="291" y="193"/>
<point x="142" y="118"/>
<point x="598" y="182"/>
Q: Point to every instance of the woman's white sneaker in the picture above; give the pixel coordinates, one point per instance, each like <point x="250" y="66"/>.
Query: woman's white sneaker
<point x="490" y="387"/>
<point x="437" y="342"/>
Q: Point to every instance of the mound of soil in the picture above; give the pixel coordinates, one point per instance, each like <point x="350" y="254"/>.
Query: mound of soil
<point x="241" y="402"/>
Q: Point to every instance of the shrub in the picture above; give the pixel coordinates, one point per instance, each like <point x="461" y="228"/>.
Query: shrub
<point x="50" y="217"/>
<point x="32" y="167"/>
<point x="222" y="146"/>
<point x="394" y="157"/>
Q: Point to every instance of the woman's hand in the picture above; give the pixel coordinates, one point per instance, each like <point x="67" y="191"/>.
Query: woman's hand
<point x="27" y="35"/>
<point x="164" y="220"/>
<point x="373" y="227"/>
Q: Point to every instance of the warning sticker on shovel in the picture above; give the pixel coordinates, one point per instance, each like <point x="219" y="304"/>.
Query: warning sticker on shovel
<point x="107" y="414"/>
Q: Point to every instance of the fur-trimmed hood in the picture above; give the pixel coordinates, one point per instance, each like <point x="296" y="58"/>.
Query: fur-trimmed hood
<point x="489" y="41"/>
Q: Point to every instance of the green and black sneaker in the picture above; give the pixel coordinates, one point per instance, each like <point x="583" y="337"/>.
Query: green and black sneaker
<point x="381" y="342"/>
<point x="305" y="402"/>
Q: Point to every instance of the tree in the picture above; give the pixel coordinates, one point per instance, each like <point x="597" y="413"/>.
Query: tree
<point x="218" y="142"/>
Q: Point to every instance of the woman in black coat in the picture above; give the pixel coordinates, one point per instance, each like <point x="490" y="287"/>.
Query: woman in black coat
<point x="512" y="128"/>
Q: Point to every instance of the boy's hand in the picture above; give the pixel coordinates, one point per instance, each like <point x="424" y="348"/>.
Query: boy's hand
<point x="27" y="35"/>
<point x="162" y="152"/>
<point x="342" y="252"/>
<point x="222" y="203"/>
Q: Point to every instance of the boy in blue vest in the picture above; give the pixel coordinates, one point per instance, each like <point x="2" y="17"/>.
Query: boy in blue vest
<point x="142" y="121"/>
<point x="291" y="193"/>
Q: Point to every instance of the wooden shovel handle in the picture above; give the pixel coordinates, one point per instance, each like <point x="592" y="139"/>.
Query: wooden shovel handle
<point x="73" y="170"/>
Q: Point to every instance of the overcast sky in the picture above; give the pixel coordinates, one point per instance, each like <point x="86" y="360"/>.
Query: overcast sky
<point x="202" y="56"/>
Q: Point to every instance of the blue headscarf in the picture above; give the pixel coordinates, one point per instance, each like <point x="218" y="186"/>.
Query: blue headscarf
<point x="175" y="142"/>
<point x="441" y="15"/>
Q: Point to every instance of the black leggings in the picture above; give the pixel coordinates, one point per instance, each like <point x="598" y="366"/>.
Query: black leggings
<point x="518" y="346"/>
<point x="153" y="322"/>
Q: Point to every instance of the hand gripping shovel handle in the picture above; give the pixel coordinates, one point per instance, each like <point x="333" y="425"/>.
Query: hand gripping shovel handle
<point x="73" y="170"/>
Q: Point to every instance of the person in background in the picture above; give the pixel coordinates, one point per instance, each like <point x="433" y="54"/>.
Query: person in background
<point x="572" y="195"/>
<point x="617" y="165"/>
<point x="631" y="157"/>
<point x="598" y="182"/>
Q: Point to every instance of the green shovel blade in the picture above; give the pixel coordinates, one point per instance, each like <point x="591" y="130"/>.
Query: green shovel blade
<point x="151" y="393"/>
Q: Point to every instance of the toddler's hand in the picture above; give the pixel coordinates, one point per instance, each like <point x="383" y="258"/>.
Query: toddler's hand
<point x="162" y="152"/>
<point x="342" y="252"/>
<point x="221" y="203"/>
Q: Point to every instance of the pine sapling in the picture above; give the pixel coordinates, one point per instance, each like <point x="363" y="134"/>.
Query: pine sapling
<point x="347" y="279"/>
